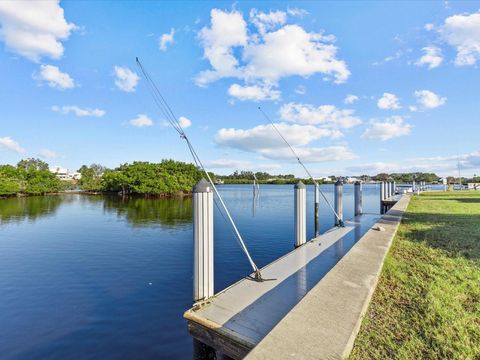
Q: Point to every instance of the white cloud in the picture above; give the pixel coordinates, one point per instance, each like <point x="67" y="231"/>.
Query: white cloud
<point x="297" y="12"/>
<point x="293" y="51"/>
<point x="34" y="29"/>
<point x="263" y="140"/>
<point x="275" y="51"/>
<point x="253" y="92"/>
<point x="7" y="143"/>
<point x="126" y="79"/>
<point x="267" y="21"/>
<point x="166" y="39"/>
<point x="441" y="165"/>
<point x="463" y="33"/>
<point x="184" y="122"/>
<point x="233" y="164"/>
<point x="324" y="115"/>
<point x="466" y="161"/>
<point x="413" y="108"/>
<point x="390" y="128"/>
<point x="54" y="77"/>
<point x="388" y="101"/>
<point x="80" y="112"/>
<point x="428" y="99"/>
<point x="432" y="57"/>
<point x="429" y="27"/>
<point x="141" y="120"/>
<point x="264" y="136"/>
<point x="301" y="90"/>
<point x="398" y="54"/>
<point x="48" y="154"/>
<point x="311" y="154"/>
<point x="350" y="99"/>
<point x="227" y="30"/>
<point x="228" y="164"/>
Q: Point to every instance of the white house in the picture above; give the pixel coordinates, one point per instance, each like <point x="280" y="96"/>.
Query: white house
<point x="64" y="174"/>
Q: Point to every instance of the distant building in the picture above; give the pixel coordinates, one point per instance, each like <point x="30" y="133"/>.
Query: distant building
<point x="351" y="180"/>
<point x="324" y="178"/>
<point x="473" y="186"/>
<point x="64" y="174"/>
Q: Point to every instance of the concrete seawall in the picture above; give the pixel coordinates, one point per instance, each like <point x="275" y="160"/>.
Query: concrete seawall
<point x="324" y="324"/>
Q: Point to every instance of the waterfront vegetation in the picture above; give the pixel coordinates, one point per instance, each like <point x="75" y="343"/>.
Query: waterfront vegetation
<point x="29" y="177"/>
<point x="141" y="178"/>
<point x="427" y="302"/>
<point x="169" y="177"/>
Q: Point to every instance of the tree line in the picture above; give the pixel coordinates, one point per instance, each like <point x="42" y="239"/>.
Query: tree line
<point x="29" y="177"/>
<point x="141" y="178"/>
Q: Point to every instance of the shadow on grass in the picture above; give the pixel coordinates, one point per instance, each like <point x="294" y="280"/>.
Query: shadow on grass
<point x="456" y="234"/>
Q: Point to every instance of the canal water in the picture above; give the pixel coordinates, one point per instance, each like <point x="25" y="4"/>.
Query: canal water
<point x="92" y="277"/>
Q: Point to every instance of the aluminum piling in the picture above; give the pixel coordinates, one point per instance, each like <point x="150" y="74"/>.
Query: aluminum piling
<point x="338" y="197"/>
<point x="358" y="198"/>
<point x="202" y="241"/>
<point x="300" y="199"/>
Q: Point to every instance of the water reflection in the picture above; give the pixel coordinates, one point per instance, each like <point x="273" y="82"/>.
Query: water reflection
<point x="139" y="212"/>
<point x="169" y="213"/>
<point x="28" y="208"/>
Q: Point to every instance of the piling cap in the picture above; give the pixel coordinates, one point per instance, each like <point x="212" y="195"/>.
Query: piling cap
<point x="202" y="186"/>
<point x="339" y="182"/>
<point x="300" y="185"/>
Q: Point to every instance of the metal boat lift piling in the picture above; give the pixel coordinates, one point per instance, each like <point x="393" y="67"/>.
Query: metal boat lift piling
<point x="237" y="318"/>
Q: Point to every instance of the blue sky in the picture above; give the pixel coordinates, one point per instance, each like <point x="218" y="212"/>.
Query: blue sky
<point x="356" y="87"/>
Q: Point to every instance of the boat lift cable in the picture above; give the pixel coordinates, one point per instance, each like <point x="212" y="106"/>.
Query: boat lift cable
<point x="173" y="121"/>
<point x="340" y="221"/>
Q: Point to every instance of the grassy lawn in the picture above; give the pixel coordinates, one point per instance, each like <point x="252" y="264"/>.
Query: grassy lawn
<point x="427" y="302"/>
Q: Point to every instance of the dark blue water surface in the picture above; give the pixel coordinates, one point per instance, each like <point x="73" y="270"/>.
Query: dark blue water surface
<point x="92" y="277"/>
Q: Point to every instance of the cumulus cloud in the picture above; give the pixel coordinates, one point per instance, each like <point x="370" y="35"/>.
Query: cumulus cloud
<point x="166" y="39"/>
<point x="34" y="29"/>
<point x="267" y="21"/>
<point x="463" y="33"/>
<point x="48" y="154"/>
<point x="274" y="51"/>
<point x="324" y="115"/>
<point x="263" y="136"/>
<point x="432" y="57"/>
<point x="227" y="30"/>
<point x="77" y="111"/>
<point x="388" y="102"/>
<point x="141" y="120"/>
<point x="184" y="122"/>
<point x="54" y="77"/>
<point x="429" y="100"/>
<point x="290" y="51"/>
<point x="350" y="99"/>
<point x="385" y="130"/>
<point x="253" y="92"/>
<point x="7" y="143"/>
<point x="262" y="140"/>
<point x="126" y="79"/>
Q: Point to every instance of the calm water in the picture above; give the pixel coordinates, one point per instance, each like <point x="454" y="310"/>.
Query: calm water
<point x="85" y="277"/>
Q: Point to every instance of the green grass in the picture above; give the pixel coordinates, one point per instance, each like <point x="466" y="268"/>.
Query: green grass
<point x="427" y="302"/>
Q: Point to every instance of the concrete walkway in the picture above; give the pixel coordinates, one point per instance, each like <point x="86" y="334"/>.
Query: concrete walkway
<point x="324" y="324"/>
